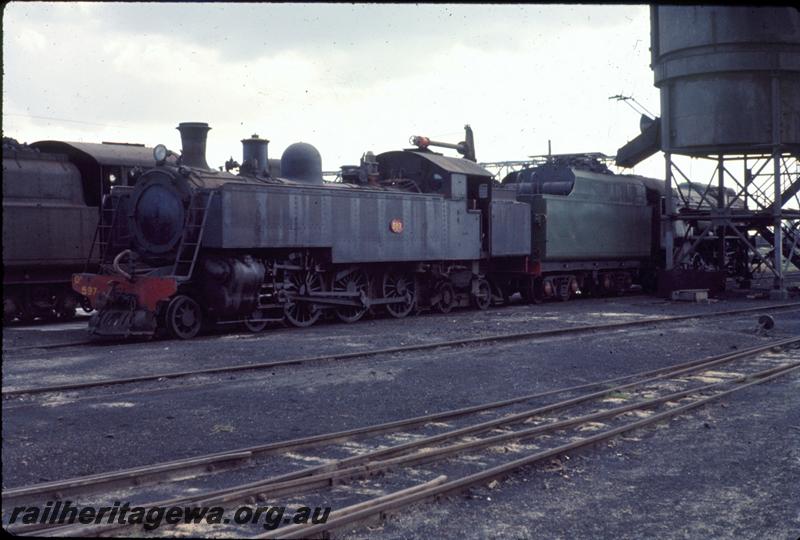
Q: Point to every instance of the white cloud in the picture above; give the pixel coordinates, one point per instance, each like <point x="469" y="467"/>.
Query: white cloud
<point x="346" y="78"/>
<point x="30" y="39"/>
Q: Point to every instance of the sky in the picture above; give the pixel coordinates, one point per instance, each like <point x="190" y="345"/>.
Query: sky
<point x="346" y="78"/>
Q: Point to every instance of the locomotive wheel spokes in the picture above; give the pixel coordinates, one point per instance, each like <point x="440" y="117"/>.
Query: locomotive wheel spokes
<point x="184" y="317"/>
<point x="400" y="286"/>
<point x="302" y="283"/>
<point x="447" y="298"/>
<point x="355" y="281"/>
<point x="482" y="299"/>
<point x="253" y="323"/>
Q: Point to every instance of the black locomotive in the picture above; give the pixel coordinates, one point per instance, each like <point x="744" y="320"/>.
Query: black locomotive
<point x="404" y="230"/>
<point x="51" y="201"/>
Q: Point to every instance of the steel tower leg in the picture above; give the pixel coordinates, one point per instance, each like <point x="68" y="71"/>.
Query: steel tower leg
<point x="779" y="291"/>
<point x="669" y="210"/>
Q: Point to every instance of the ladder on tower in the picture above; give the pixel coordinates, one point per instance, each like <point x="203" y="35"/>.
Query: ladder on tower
<point x="189" y="247"/>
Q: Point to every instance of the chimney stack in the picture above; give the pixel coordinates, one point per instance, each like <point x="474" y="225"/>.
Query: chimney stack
<point x="193" y="140"/>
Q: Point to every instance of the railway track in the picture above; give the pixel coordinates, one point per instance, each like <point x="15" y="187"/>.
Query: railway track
<point x="434" y="448"/>
<point x="14" y="392"/>
<point x="117" y="343"/>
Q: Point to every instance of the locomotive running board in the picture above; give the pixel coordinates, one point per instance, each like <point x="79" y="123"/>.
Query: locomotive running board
<point x="326" y="300"/>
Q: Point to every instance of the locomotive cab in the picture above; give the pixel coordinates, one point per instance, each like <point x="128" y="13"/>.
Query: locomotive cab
<point x="456" y="179"/>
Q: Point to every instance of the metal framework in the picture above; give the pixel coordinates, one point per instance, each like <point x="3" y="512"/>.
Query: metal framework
<point x="728" y="82"/>
<point x="761" y="201"/>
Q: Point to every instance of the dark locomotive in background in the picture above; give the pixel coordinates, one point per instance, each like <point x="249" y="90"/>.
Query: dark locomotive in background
<point x="404" y="230"/>
<point x="51" y="201"/>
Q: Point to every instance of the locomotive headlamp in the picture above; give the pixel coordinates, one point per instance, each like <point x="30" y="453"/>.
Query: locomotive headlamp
<point x="160" y="154"/>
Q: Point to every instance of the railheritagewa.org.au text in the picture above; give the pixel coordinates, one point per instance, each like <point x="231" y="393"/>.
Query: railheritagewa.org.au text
<point x="152" y="517"/>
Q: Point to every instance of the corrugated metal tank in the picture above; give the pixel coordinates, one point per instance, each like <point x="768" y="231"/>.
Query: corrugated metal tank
<point x="729" y="77"/>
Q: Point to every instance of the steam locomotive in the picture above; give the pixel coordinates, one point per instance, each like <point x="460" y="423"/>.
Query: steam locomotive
<point x="408" y="230"/>
<point x="51" y="203"/>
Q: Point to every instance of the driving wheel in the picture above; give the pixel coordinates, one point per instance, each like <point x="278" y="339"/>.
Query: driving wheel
<point x="399" y="286"/>
<point x="356" y="281"/>
<point x="302" y="313"/>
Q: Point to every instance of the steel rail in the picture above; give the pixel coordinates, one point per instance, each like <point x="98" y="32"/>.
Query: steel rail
<point x="395" y="495"/>
<point x="325" y="475"/>
<point x="500" y="471"/>
<point x="115" y="343"/>
<point x="141" y="474"/>
<point x="387" y="350"/>
<point x="63" y="344"/>
<point x="331" y="473"/>
<point x="425" y="455"/>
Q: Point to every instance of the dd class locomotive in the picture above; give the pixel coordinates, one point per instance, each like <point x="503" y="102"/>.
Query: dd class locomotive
<point x="51" y="204"/>
<point x="189" y="244"/>
<point x="404" y="231"/>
